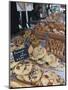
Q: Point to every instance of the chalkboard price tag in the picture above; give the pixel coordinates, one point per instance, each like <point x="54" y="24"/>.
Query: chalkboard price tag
<point x="20" y="54"/>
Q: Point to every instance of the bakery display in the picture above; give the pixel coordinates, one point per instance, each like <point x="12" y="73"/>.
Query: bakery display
<point x="41" y="54"/>
<point x="31" y="74"/>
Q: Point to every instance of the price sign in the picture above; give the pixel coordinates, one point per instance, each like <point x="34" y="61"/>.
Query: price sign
<point x="20" y="54"/>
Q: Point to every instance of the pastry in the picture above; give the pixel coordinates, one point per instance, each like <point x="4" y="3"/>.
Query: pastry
<point x="34" y="75"/>
<point x="38" y="53"/>
<point x="18" y="70"/>
<point x="23" y="68"/>
<point x="51" y="60"/>
<point x="42" y="60"/>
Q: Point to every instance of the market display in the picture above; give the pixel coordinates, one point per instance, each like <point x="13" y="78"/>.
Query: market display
<point x="41" y="55"/>
<point x="34" y="76"/>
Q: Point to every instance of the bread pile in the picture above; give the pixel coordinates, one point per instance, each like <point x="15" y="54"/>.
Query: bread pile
<point x="33" y="70"/>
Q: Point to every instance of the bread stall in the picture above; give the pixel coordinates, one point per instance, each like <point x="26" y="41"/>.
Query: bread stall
<point x="37" y="55"/>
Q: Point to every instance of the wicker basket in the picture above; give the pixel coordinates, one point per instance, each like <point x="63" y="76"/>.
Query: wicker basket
<point x="56" y="44"/>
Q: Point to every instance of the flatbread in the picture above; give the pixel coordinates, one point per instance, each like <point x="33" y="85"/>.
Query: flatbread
<point x="18" y="70"/>
<point x="23" y="68"/>
<point x="34" y="75"/>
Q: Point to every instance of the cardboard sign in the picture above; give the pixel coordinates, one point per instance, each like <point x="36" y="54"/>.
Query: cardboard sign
<point x="20" y="54"/>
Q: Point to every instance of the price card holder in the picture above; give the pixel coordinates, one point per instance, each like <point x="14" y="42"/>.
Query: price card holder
<point x="20" y="54"/>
